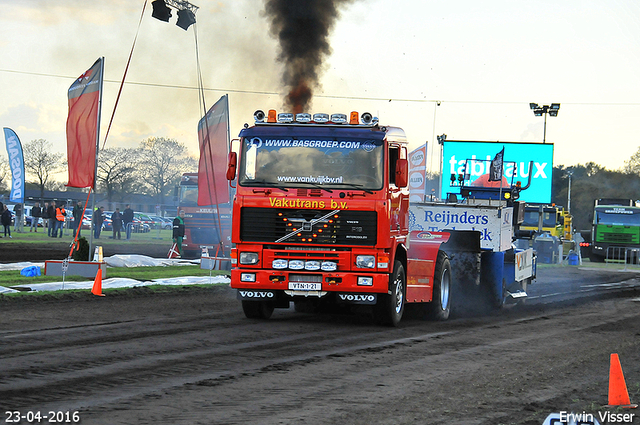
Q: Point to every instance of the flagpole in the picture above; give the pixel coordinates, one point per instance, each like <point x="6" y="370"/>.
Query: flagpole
<point x="95" y="169"/>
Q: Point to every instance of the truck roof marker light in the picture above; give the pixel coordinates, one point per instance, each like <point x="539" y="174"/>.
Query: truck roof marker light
<point x="303" y="118"/>
<point x="272" y="116"/>
<point x="338" y="118"/>
<point x="320" y="118"/>
<point x="259" y="116"/>
<point x="285" y="117"/>
<point x="354" y="120"/>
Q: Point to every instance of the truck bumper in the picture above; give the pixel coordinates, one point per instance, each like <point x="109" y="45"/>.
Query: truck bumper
<point x="309" y="283"/>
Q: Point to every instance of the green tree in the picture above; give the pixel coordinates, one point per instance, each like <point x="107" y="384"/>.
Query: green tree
<point x="632" y="166"/>
<point x="588" y="183"/>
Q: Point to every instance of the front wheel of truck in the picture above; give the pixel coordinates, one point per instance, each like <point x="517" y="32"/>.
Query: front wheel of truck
<point x="257" y="309"/>
<point x="390" y="307"/>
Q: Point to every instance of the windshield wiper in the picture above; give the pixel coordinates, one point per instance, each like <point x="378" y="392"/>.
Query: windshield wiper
<point x="265" y="183"/>
<point x="356" y="186"/>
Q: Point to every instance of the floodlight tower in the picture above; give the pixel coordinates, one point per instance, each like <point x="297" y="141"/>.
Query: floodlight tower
<point x="538" y="111"/>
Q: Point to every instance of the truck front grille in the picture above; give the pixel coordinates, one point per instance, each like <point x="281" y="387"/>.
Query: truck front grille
<point x="342" y="228"/>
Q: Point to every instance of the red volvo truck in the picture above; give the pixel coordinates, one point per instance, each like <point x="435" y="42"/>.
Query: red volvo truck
<point x="321" y="216"/>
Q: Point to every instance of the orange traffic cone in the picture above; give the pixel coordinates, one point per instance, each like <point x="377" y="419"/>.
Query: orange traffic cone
<point x="173" y="252"/>
<point x="618" y="394"/>
<point x="97" y="284"/>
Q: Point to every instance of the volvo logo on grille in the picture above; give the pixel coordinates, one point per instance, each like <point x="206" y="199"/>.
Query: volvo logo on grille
<point x="357" y="298"/>
<point x="255" y="295"/>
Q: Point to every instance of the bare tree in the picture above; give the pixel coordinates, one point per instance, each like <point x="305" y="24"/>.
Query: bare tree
<point x="162" y="162"/>
<point x="5" y="173"/>
<point x="41" y="162"/>
<point x="117" y="171"/>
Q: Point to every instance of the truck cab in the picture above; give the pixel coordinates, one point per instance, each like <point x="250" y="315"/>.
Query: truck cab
<point x="320" y="213"/>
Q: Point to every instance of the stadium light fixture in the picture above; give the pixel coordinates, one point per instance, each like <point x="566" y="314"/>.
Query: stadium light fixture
<point x="539" y="111"/>
<point x="186" y="12"/>
<point x="160" y="10"/>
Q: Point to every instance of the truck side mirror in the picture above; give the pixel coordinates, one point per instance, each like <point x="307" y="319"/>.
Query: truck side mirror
<point x="231" y="167"/>
<point x="402" y="172"/>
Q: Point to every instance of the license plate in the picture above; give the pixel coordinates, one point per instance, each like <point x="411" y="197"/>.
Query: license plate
<point x="305" y="286"/>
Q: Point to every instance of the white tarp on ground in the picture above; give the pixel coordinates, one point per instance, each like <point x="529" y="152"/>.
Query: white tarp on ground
<point x="118" y="261"/>
<point x="119" y="282"/>
<point x="144" y="261"/>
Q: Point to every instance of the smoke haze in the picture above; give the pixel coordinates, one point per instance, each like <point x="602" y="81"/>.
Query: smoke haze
<point x="302" y="28"/>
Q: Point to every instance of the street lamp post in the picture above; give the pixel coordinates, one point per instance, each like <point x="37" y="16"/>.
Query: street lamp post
<point x="570" y="174"/>
<point x="441" y="140"/>
<point x="538" y="111"/>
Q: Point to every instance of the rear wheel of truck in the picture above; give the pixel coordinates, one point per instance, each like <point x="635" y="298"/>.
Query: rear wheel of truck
<point x="440" y="307"/>
<point x="390" y="307"/>
<point x="257" y="309"/>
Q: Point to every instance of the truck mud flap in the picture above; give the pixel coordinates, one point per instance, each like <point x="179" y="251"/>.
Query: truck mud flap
<point x="350" y="298"/>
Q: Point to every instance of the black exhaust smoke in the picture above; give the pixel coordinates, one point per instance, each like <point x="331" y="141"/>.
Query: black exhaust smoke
<point x="302" y="27"/>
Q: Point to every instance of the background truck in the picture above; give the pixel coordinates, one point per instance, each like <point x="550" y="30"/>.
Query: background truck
<point x="203" y="227"/>
<point x="321" y="216"/>
<point x="615" y="230"/>
<point x="547" y="229"/>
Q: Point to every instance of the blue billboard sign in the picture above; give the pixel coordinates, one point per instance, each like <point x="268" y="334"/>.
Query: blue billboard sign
<point x="473" y="159"/>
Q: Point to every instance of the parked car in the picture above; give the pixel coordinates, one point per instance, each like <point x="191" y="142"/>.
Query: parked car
<point x="142" y="222"/>
<point x="161" y="222"/>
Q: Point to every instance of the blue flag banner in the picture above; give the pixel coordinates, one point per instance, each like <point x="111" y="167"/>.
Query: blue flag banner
<point x="16" y="163"/>
<point x="495" y="171"/>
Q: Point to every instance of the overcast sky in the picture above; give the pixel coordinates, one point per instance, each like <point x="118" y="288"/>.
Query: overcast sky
<point x="483" y="62"/>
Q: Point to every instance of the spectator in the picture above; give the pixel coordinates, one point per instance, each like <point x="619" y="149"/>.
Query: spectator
<point x="116" y="222"/>
<point x="78" y="211"/>
<point x="5" y="219"/>
<point x="45" y="216"/>
<point x="17" y="224"/>
<point x="178" y="231"/>
<point x="98" y="218"/>
<point x="60" y="216"/>
<point x="51" y="215"/>
<point x="36" y="213"/>
<point x="127" y="218"/>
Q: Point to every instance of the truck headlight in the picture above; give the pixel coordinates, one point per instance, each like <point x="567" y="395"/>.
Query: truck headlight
<point x="329" y="266"/>
<point x="249" y="258"/>
<point x="365" y="281"/>
<point x="296" y="264"/>
<point x="247" y="277"/>
<point x="366" y="261"/>
<point x="280" y="264"/>
<point x="312" y="265"/>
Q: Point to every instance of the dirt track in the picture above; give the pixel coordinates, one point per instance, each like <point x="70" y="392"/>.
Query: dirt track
<point x="192" y="357"/>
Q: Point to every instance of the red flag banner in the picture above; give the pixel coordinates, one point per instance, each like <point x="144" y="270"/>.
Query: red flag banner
<point x="82" y="126"/>
<point x="213" y="187"/>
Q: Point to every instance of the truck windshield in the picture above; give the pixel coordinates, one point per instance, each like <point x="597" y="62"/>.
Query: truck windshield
<point x="189" y="195"/>
<point x="618" y="216"/>
<point x="531" y="218"/>
<point x="329" y="163"/>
